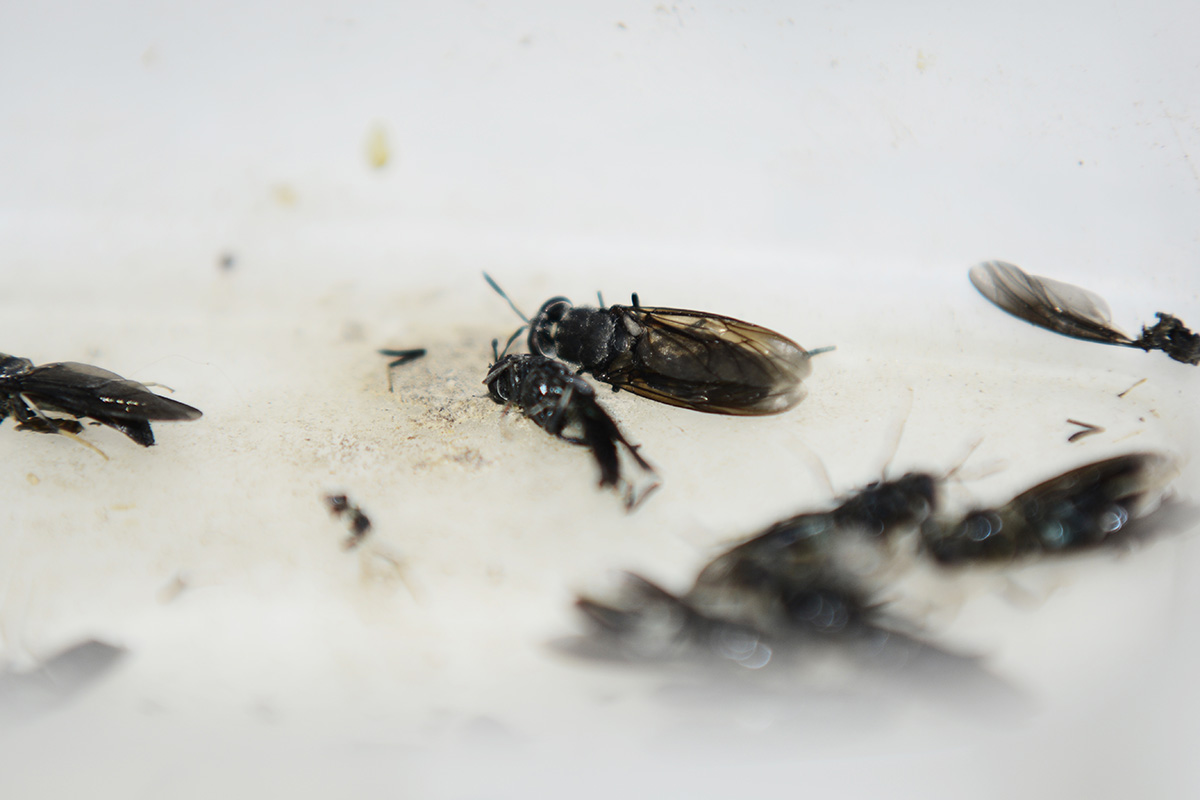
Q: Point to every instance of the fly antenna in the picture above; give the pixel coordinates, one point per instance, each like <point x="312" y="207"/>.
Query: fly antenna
<point x="496" y="342"/>
<point x="507" y="299"/>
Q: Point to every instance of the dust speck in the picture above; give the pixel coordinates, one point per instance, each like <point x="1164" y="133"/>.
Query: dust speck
<point x="379" y="149"/>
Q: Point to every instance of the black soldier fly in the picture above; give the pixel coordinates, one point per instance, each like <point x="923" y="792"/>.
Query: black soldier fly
<point x="694" y="359"/>
<point x="339" y="505"/>
<point x="1076" y="312"/>
<point x="783" y="612"/>
<point x="81" y="390"/>
<point x="1084" y="508"/>
<point x="564" y="405"/>
<point x="810" y="570"/>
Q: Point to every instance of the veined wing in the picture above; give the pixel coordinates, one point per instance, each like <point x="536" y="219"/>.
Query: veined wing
<point x="708" y="362"/>
<point x="87" y="391"/>
<point x="1056" y="306"/>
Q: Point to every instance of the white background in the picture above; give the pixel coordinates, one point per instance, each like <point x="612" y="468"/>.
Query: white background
<point x="830" y="170"/>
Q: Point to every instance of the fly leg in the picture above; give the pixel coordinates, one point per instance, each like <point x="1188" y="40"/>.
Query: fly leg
<point x="549" y="415"/>
<point x="30" y="418"/>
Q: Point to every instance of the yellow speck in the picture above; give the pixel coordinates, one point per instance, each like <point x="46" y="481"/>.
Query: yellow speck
<point x="285" y="195"/>
<point x="379" y="152"/>
<point x="924" y="62"/>
<point x="34" y="480"/>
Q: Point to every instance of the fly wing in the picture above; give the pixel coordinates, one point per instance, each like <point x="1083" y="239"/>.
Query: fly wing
<point x="709" y="363"/>
<point x="86" y="391"/>
<point x="1047" y="303"/>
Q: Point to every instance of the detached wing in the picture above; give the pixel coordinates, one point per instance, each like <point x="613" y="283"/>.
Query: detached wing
<point x="707" y="362"/>
<point x="1049" y="304"/>
<point x="86" y="391"/>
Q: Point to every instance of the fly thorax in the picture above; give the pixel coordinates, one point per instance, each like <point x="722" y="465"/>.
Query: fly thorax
<point x="585" y="336"/>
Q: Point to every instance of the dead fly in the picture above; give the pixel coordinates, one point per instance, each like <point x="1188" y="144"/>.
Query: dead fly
<point x="1076" y="312"/>
<point x="399" y="358"/>
<point x="815" y="570"/>
<point x="802" y="575"/>
<point x="339" y="505"/>
<point x="760" y="619"/>
<point x="81" y="390"/>
<point x="564" y="405"/>
<point x="1087" y="507"/>
<point x="692" y="359"/>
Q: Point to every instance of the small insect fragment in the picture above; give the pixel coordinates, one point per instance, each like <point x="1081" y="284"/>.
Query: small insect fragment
<point x="1088" y="430"/>
<point x="1076" y="312"/>
<point x="82" y="391"/>
<point x="565" y="406"/>
<point x="1084" y="508"/>
<point x="339" y="505"/>
<point x="399" y="358"/>
<point x="1131" y="388"/>
<point x="692" y="359"/>
<point x="402" y="356"/>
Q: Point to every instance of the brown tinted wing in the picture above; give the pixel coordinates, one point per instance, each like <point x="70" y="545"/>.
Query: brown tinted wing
<point x="86" y="391"/>
<point x="1056" y="306"/>
<point x="709" y="363"/>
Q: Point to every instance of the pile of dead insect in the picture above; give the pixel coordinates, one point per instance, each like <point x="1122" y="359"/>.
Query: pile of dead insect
<point x="814" y="577"/>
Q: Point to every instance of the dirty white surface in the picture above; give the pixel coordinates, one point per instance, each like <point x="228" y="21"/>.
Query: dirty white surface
<point x="828" y="172"/>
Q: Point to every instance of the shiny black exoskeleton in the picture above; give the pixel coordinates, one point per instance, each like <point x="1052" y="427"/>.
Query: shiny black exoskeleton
<point x="884" y="506"/>
<point x="1084" y="508"/>
<point x="693" y="359"/>
<point x="564" y="405"/>
<point x="82" y="391"/>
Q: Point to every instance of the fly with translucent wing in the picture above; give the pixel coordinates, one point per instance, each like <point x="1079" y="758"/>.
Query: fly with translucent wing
<point x="81" y="390"/>
<point x="1088" y="507"/>
<point x="693" y="359"/>
<point x="1076" y="312"/>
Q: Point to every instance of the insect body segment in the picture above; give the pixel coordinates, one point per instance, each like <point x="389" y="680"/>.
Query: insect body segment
<point x="82" y="390"/>
<point x="564" y="405"/>
<point x="694" y="359"/>
<point x="1076" y="312"/>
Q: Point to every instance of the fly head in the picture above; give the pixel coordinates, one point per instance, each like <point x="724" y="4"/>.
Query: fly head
<point x="504" y="379"/>
<point x="543" y="337"/>
<point x="12" y="366"/>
